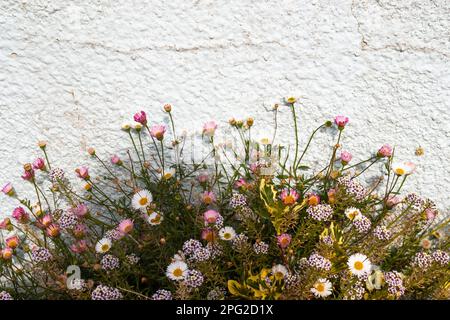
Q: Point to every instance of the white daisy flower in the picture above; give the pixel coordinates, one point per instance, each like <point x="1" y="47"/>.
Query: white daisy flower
<point x="227" y="233"/>
<point x="353" y="213"/>
<point x="103" y="245"/>
<point x="279" y="271"/>
<point x="359" y="264"/>
<point x="155" y="218"/>
<point x="141" y="200"/>
<point x="403" y="168"/>
<point x="177" y="270"/>
<point x="322" y="288"/>
<point x="168" y="174"/>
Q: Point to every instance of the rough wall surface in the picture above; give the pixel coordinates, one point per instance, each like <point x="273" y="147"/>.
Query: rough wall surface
<point x="72" y="71"/>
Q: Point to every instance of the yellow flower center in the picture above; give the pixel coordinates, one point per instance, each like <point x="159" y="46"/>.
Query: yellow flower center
<point x="178" y="272"/>
<point x="289" y="199"/>
<point x="279" y="275"/>
<point x="167" y="176"/>
<point x="358" y="265"/>
<point x="400" y="171"/>
<point x="207" y="200"/>
<point x="105" y="247"/>
<point x="320" y="287"/>
<point x="352" y="215"/>
<point x="143" y="201"/>
<point x="227" y="235"/>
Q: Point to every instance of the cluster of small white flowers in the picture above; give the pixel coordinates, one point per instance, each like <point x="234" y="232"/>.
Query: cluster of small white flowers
<point x="317" y="261"/>
<point x="216" y="294"/>
<point x="110" y="262"/>
<point x="291" y="280"/>
<point x="422" y="260"/>
<point x="215" y="249"/>
<point x="240" y="242"/>
<point x="352" y="188"/>
<point x="395" y="283"/>
<point x="328" y="240"/>
<point x="320" y="212"/>
<point x="162" y="294"/>
<point x="78" y="284"/>
<point x="237" y="200"/>
<point x="219" y="222"/>
<point x="132" y="259"/>
<point x="103" y="292"/>
<point x="68" y="220"/>
<point x="5" y="296"/>
<point x="56" y="175"/>
<point x="190" y="246"/>
<point x="362" y="224"/>
<point x="382" y="233"/>
<point x="193" y="279"/>
<point x="41" y="255"/>
<point x="356" y="292"/>
<point x="113" y="235"/>
<point x="245" y="213"/>
<point x="440" y="257"/>
<point x="260" y="247"/>
<point x="200" y="254"/>
<point x="414" y="202"/>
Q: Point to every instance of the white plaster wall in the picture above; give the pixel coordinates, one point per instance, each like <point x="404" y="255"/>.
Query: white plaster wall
<point x="72" y="71"/>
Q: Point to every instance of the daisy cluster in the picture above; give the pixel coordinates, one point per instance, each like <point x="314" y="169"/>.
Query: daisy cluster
<point x="249" y="221"/>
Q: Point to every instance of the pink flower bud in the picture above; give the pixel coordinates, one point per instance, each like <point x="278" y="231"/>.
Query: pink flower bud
<point x="80" y="230"/>
<point x="141" y="117"/>
<point x="208" y="234"/>
<point x="203" y="178"/>
<point x="385" y="151"/>
<point x="116" y="160"/>
<point x="5" y="224"/>
<point x="126" y="226"/>
<point x="20" y="215"/>
<point x="211" y="216"/>
<point x="209" y="128"/>
<point x="81" y="210"/>
<point x="240" y="183"/>
<point x="392" y="201"/>
<point x="46" y="220"/>
<point x="430" y="214"/>
<point x="82" y="172"/>
<point x="331" y="196"/>
<point x="341" y="121"/>
<point x="28" y="175"/>
<point x="157" y="131"/>
<point x="8" y="189"/>
<point x="346" y="157"/>
<point x="79" y="246"/>
<point x="284" y="240"/>
<point x="39" y="164"/>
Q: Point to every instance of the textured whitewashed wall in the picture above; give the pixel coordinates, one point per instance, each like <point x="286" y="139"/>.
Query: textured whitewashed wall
<point x="72" y="71"/>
